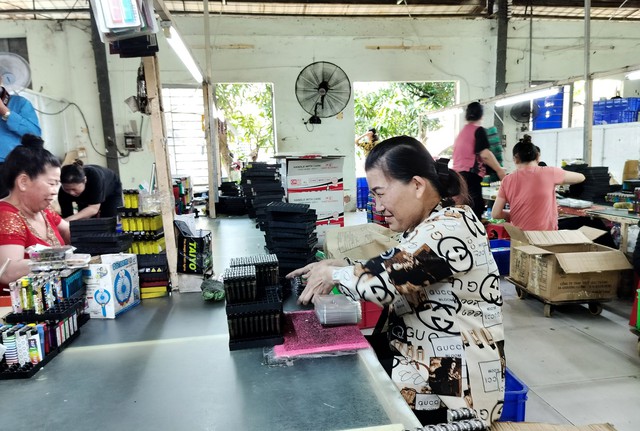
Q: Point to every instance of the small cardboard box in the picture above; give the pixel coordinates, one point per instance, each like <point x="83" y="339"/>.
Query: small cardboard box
<point x="328" y="204"/>
<point x="565" y="265"/>
<point x="113" y="286"/>
<point x="315" y="174"/>
<point x="327" y="224"/>
<point x="195" y="253"/>
<point x="531" y="426"/>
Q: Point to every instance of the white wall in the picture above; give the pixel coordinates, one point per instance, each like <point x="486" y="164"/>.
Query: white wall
<point x="275" y="49"/>
<point x="557" y="53"/>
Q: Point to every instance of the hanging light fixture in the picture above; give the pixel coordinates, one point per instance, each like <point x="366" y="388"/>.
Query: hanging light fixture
<point x="530" y="95"/>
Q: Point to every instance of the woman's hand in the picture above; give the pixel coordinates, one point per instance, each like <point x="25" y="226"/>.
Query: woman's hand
<point x="318" y="277"/>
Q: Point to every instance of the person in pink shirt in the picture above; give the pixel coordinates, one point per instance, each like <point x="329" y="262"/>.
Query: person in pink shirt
<point x="471" y="156"/>
<point x="531" y="190"/>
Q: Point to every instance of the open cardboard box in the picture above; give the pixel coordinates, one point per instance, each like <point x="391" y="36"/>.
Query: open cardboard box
<point x="531" y="426"/>
<point x="565" y="265"/>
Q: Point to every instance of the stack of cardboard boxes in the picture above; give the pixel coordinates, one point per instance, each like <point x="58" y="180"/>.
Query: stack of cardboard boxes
<point x="318" y="182"/>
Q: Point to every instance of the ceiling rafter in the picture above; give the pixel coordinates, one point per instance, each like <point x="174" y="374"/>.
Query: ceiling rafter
<point x="468" y="9"/>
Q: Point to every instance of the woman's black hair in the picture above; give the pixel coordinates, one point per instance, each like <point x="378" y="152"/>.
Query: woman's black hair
<point x="374" y="136"/>
<point x="73" y="173"/>
<point x="403" y="157"/>
<point x="30" y="157"/>
<point x="474" y="111"/>
<point x="525" y="151"/>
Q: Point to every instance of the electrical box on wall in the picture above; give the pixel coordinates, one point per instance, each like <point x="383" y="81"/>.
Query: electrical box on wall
<point x="132" y="142"/>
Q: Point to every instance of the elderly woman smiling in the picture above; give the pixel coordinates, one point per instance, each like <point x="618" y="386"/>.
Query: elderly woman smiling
<point x="32" y="175"/>
<point x="440" y="284"/>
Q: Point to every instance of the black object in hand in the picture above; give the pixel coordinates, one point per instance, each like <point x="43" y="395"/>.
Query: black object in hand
<point x="4" y="95"/>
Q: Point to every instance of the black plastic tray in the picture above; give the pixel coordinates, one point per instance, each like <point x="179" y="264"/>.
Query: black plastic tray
<point x="27" y="371"/>
<point x="65" y="309"/>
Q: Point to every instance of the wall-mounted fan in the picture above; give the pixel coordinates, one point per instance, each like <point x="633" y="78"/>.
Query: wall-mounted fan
<point x="14" y="71"/>
<point x="323" y="90"/>
<point x="523" y="112"/>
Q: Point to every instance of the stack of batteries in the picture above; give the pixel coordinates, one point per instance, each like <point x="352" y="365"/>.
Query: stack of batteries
<point x="290" y="234"/>
<point x="231" y="200"/>
<point x="98" y="236"/>
<point x="261" y="184"/>
<point x="266" y="266"/>
<point x="254" y="302"/>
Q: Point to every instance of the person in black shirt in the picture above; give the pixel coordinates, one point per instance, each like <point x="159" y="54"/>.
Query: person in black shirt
<point x="96" y="190"/>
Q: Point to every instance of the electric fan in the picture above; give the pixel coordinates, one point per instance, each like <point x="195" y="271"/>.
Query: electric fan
<point x="323" y="90"/>
<point x="522" y="112"/>
<point x="14" y="72"/>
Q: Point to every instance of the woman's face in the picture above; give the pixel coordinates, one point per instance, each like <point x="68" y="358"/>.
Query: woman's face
<point x="43" y="190"/>
<point x="74" y="189"/>
<point x="403" y="205"/>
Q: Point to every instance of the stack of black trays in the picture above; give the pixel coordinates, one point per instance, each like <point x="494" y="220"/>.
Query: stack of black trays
<point x="261" y="185"/>
<point x="595" y="186"/>
<point x="254" y="310"/>
<point x="290" y="234"/>
<point x="231" y="200"/>
<point x="153" y="271"/>
<point x="98" y="236"/>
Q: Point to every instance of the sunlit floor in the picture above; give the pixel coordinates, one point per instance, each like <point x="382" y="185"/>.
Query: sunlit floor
<point x="580" y="368"/>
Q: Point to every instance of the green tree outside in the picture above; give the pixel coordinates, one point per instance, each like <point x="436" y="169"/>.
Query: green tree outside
<point x="394" y="108"/>
<point x="248" y="112"/>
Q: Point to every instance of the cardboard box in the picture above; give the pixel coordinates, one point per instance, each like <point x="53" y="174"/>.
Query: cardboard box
<point x="530" y="426"/>
<point x="194" y="253"/>
<point x="323" y="226"/>
<point x="113" y="286"/>
<point x="328" y="204"/>
<point x="565" y="265"/>
<point x="307" y="175"/>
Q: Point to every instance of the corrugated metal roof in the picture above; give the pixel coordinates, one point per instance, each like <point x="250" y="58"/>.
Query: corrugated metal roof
<point x="549" y="9"/>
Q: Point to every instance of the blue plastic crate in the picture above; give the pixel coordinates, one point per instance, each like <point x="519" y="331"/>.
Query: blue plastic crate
<point x="515" y="399"/>
<point x="500" y="248"/>
<point x="629" y="116"/>
<point x="633" y="103"/>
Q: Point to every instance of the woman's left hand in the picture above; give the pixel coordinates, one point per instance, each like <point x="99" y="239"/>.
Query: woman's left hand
<point x="319" y="281"/>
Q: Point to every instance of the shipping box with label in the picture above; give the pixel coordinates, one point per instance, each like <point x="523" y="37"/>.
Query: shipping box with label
<point x="328" y="204"/>
<point x="318" y="182"/>
<point x="565" y="265"/>
<point x="312" y="175"/>
<point x="113" y="286"/>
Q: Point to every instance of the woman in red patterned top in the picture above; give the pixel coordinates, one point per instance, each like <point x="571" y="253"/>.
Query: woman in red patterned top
<point x="32" y="175"/>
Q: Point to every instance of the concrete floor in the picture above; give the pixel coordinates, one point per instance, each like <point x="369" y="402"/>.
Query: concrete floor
<point x="580" y="368"/>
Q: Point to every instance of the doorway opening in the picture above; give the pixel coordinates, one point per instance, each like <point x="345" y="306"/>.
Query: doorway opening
<point x="245" y="129"/>
<point x="397" y="108"/>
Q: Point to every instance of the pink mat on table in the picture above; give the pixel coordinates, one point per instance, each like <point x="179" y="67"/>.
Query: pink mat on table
<point x="305" y="335"/>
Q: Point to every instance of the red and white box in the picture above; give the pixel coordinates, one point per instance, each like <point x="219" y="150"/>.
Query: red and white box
<point x="311" y="175"/>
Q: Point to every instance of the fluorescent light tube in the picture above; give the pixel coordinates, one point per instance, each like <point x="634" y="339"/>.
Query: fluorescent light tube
<point x="527" y="96"/>
<point x="633" y="75"/>
<point x="440" y="114"/>
<point x="181" y="50"/>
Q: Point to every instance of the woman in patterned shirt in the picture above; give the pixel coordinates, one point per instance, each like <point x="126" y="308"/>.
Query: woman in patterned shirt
<point x="440" y="283"/>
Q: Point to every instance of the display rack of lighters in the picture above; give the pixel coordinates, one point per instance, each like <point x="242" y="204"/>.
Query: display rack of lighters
<point x="41" y="323"/>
